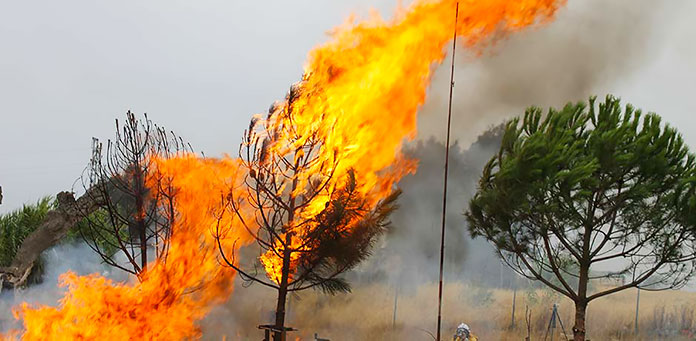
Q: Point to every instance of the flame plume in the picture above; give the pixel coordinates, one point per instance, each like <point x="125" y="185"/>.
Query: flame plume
<point x="359" y="98"/>
<point x="172" y="295"/>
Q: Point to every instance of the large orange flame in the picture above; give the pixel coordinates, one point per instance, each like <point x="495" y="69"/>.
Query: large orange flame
<point x="359" y="97"/>
<point x="362" y="90"/>
<point x="172" y="295"/>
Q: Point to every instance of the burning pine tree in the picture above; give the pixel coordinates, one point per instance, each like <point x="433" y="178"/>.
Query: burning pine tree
<point x="134" y="202"/>
<point x="311" y="224"/>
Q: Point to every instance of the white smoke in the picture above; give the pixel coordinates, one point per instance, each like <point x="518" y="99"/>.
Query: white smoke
<point x="75" y="257"/>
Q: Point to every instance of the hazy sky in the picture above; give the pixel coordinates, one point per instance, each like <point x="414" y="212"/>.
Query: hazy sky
<point x="201" y="68"/>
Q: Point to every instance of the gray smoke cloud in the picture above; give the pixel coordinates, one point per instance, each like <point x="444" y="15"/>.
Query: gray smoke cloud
<point x="414" y="240"/>
<point x="590" y="46"/>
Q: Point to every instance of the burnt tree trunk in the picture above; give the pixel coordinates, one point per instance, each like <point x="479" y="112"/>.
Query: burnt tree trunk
<point x="54" y="228"/>
<point x="279" y="335"/>
<point x="285" y="276"/>
<point x="140" y="215"/>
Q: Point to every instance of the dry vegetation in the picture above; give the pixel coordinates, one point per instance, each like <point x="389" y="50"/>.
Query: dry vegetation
<point x="367" y="314"/>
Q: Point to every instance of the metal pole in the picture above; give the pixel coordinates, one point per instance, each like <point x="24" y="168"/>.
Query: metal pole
<point x="444" y="192"/>
<point x="553" y="321"/>
<point x="637" y="305"/>
<point x="396" y="299"/>
<point x="514" y="301"/>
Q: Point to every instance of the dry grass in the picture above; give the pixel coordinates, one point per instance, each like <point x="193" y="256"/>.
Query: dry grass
<point x="367" y="314"/>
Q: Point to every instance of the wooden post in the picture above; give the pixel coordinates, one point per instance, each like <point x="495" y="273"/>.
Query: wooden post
<point x="528" y="321"/>
<point x="277" y="333"/>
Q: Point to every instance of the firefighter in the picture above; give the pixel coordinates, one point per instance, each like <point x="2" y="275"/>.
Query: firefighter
<point x="463" y="333"/>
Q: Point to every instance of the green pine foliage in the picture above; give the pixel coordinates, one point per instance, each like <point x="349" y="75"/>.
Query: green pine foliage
<point x="591" y="184"/>
<point x="337" y="243"/>
<point x="551" y="169"/>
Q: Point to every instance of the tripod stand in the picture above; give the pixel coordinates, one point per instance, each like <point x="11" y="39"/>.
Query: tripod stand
<point x="552" y="324"/>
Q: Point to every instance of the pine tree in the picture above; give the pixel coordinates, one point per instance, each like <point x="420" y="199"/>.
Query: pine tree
<point x="585" y="186"/>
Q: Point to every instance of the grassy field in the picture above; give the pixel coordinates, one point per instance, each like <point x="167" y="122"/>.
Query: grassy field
<point x="368" y="314"/>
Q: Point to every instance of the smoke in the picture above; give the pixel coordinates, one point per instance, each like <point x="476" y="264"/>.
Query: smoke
<point x="590" y="46"/>
<point x="75" y="257"/>
<point x="414" y="239"/>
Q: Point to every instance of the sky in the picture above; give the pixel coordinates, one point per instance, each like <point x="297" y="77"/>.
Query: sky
<point x="202" y="68"/>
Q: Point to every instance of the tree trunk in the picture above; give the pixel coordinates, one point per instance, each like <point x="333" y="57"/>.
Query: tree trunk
<point x="279" y="335"/>
<point x="581" y="303"/>
<point x="54" y="227"/>
<point x="140" y="215"/>
<point x="579" y="327"/>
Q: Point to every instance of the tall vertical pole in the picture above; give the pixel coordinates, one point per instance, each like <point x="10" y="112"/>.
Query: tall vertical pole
<point x="554" y="314"/>
<point x="396" y="300"/>
<point x="637" y="305"/>
<point x="514" y="303"/>
<point x="444" y="192"/>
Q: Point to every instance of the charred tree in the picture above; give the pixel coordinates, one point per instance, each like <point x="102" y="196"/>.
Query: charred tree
<point x="309" y="226"/>
<point x="127" y="205"/>
<point x="135" y="203"/>
<point x="584" y="186"/>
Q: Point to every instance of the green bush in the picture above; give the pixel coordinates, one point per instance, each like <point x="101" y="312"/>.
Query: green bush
<point x="18" y="224"/>
<point x="15" y="226"/>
